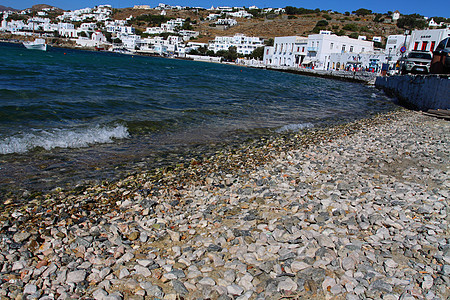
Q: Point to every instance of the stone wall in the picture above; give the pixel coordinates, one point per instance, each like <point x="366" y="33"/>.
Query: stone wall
<point x="421" y="92"/>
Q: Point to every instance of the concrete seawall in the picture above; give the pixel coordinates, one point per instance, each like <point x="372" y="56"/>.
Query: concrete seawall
<point x="421" y="92"/>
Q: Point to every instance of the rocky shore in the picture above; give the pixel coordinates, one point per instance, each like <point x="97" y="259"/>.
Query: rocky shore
<point x="356" y="211"/>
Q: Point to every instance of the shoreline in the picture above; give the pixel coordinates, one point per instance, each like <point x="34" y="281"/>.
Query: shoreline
<point x="328" y="212"/>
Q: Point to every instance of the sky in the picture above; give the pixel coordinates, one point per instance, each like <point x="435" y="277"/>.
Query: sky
<point x="439" y="8"/>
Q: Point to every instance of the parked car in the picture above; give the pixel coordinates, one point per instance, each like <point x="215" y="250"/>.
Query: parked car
<point x="441" y="58"/>
<point x="417" y="62"/>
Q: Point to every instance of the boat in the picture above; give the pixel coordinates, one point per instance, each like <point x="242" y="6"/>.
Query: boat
<point x="37" y="44"/>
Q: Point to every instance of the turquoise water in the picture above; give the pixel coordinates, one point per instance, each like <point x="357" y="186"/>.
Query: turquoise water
<point x="66" y="108"/>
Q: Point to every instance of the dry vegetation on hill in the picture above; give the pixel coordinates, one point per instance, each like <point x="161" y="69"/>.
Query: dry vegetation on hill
<point x="276" y="25"/>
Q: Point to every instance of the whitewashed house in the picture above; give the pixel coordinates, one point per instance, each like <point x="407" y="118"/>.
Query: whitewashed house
<point x="287" y="51"/>
<point x="88" y="27"/>
<point x="67" y="30"/>
<point x="244" y="44"/>
<point x="428" y="39"/>
<point x="131" y="42"/>
<point x="394" y="43"/>
<point x="154" y="30"/>
<point x="97" y="39"/>
<point x="226" y="22"/>
<point x="322" y="45"/>
<point x="172" y="25"/>
<point x="395" y="15"/>
<point x="240" y="14"/>
<point x="188" y="34"/>
<point x="211" y="17"/>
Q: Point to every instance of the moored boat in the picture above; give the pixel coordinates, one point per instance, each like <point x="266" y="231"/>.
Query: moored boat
<point x="38" y="44"/>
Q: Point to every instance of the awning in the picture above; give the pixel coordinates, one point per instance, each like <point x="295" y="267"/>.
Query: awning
<point x="306" y="61"/>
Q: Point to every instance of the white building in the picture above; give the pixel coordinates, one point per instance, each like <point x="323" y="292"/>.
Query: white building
<point x="240" y="14"/>
<point x="131" y="42"/>
<point x="113" y="27"/>
<point x="394" y="44"/>
<point x="287" y="51"/>
<point x="395" y="15"/>
<point x="211" y="17"/>
<point x="226" y="22"/>
<point x="188" y="34"/>
<point x="88" y="27"/>
<point x="428" y="39"/>
<point x="170" y="26"/>
<point x="67" y="30"/>
<point x="321" y="46"/>
<point x="172" y="46"/>
<point x="244" y="44"/>
<point x="97" y="39"/>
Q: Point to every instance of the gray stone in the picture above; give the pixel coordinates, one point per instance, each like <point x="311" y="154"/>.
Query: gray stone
<point x="140" y="270"/>
<point x="207" y="281"/>
<point x="348" y="263"/>
<point x="427" y="282"/>
<point x="179" y="287"/>
<point x="155" y="291"/>
<point x="380" y="285"/>
<point x="229" y="275"/>
<point x="19" y="237"/>
<point x="99" y="294"/>
<point x="287" y="285"/>
<point x="76" y="276"/>
<point x="30" y="289"/>
<point x="124" y="273"/>
<point x="235" y="290"/>
<point x="104" y="272"/>
<point x="298" y="266"/>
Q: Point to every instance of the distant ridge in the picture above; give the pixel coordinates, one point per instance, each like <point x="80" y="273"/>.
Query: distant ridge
<point x="39" y="7"/>
<point x="5" y="8"/>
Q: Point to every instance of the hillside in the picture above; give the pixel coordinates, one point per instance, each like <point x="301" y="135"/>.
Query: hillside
<point x="6" y="8"/>
<point x="39" y="7"/>
<point x="276" y="25"/>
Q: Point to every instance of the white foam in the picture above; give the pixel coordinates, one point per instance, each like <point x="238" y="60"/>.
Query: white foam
<point x="62" y="138"/>
<point x="295" y="127"/>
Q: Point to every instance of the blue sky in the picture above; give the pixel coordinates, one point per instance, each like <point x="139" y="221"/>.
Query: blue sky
<point x="432" y="8"/>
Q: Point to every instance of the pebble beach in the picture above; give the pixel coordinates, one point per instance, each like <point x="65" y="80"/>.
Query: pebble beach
<point x="353" y="211"/>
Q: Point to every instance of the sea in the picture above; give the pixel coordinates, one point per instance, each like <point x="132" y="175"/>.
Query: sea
<point x="72" y="117"/>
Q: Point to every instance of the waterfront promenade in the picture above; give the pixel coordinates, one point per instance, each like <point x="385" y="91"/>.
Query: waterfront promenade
<point x="357" y="211"/>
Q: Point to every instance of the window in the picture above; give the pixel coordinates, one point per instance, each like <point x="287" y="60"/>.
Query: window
<point x="343" y="48"/>
<point x="433" y="43"/>
<point x="298" y="49"/>
<point x="331" y="45"/>
<point x="303" y="49"/>
<point x="416" y="45"/>
<point x="424" y="46"/>
<point x="351" y="48"/>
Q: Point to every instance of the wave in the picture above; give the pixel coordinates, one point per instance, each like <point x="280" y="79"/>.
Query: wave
<point x="62" y="138"/>
<point x="294" y="127"/>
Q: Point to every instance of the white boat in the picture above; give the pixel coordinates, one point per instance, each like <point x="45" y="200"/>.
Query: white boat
<point x="37" y="44"/>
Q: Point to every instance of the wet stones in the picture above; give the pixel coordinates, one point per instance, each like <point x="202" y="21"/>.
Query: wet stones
<point x="353" y="215"/>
